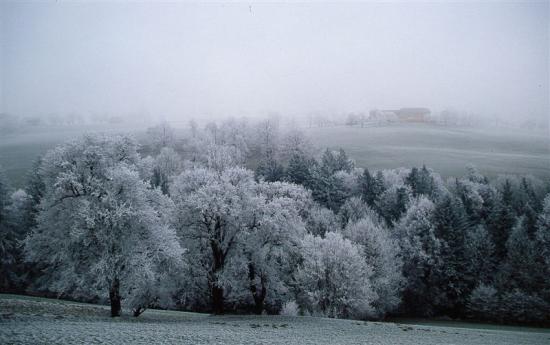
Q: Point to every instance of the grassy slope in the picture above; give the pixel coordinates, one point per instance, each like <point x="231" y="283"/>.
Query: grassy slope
<point x="446" y="150"/>
<point x="28" y="320"/>
<point x="18" y="151"/>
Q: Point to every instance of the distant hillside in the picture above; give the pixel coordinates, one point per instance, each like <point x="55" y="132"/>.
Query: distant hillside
<point x="445" y="149"/>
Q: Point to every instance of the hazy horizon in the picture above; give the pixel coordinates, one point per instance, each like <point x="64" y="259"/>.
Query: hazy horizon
<point x="176" y="60"/>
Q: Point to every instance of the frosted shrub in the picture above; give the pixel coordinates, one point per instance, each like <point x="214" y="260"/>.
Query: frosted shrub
<point x="483" y="303"/>
<point x="290" y="308"/>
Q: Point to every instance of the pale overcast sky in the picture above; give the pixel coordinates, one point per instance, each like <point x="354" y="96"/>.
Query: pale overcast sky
<point x="242" y="59"/>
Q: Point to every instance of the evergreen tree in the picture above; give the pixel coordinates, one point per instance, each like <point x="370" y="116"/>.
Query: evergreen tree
<point x="270" y="170"/>
<point x="470" y="198"/>
<point x="329" y="162"/>
<point x="327" y="189"/>
<point x="298" y="169"/>
<point x="426" y="183"/>
<point x="420" y="181"/>
<point x="421" y="254"/>
<point x="483" y="303"/>
<point x="333" y="162"/>
<point x="500" y="222"/>
<point x="479" y="253"/>
<point x="542" y="243"/>
<point x="371" y="187"/>
<point x="519" y="271"/>
<point x="507" y="193"/>
<point x="393" y="203"/>
<point x="412" y="181"/>
<point x="8" y="239"/>
<point x="343" y="162"/>
<point x="451" y="225"/>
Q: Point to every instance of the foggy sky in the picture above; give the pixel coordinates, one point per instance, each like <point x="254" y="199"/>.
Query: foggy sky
<point x="182" y="60"/>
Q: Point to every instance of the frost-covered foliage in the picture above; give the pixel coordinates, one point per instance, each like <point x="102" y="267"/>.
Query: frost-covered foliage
<point x="100" y="227"/>
<point x="290" y="308"/>
<point x="483" y="303"/>
<point x="355" y="209"/>
<point x="236" y="228"/>
<point x="421" y="251"/>
<point x="306" y="225"/>
<point x="160" y="136"/>
<point x="8" y="239"/>
<point x="164" y="167"/>
<point x="321" y="220"/>
<point x="334" y="278"/>
<point x="543" y="232"/>
<point x="382" y="253"/>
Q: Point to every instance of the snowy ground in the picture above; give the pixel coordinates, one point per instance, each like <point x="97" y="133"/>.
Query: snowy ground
<point x="447" y="150"/>
<point x="25" y="320"/>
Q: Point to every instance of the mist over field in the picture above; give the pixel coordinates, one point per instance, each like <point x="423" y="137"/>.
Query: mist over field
<point x="176" y="61"/>
<point x="243" y="173"/>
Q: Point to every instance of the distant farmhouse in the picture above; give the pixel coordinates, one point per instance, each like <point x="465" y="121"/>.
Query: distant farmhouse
<point x="401" y="115"/>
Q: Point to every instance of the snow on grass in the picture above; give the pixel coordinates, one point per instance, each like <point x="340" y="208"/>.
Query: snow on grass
<point x="25" y="320"/>
<point x="447" y="150"/>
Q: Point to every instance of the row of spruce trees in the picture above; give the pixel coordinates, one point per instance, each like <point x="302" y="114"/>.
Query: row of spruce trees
<point x="484" y="250"/>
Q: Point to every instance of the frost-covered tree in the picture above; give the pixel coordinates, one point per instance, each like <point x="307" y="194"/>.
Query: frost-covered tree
<point x="268" y="136"/>
<point x="100" y="228"/>
<point x="469" y="195"/>
<point x="271" y="247"/>
<point x="334" y="278"/>
<point x="520" y="269"/>
<point x="220" y="157"/>
<point x="451" y="225"/>
<point x="518" y="306"/>
<point x="270" y="170"/>
<point x="8" y="238"/>
<point x="543" y="228"/>
<point x="371" y="187"/>
<point x="295" y="142"/>
<point x="421" y="254"/>
<point x="382" y="252"/>
<point x="483" y="303"/>
<point x="16" y="213"/>
<point x="165" y="166"/>
<point x="332" y="161"/>
<point x="235" y="133"/>
<point x="212" y="212"/>
<point x="321" y="220"/>
<point x="230" y="219"/>
<point x="479" y="253"/>
<point x="327" y="188"/>
<point x="355" y="209"/>
<point x="393" y="203"/>
<point x="161" y="135"/>
<point x="298" y="170"/>
<point x="421" y="182"/>
<point x="500" y="221"/>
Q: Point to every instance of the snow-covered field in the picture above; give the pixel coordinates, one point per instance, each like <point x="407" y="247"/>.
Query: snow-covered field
<point x="27" y="320"/>
<point x="447" y="150"/>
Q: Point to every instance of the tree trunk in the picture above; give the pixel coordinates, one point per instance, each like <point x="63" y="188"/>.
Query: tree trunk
<point x="217" y="299"/>
<point x="216" y="291"/>
<point x="259" y="296"/>
<point x="114" y="297"/>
